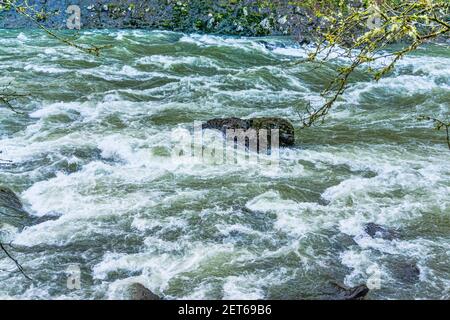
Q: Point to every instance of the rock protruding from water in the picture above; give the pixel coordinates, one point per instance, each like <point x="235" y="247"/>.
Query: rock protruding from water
<point x="11" y="208"/>
<point x="355" y="293"/>
<point x="137" y="291"/>
<point x="224" y="124"/>
<point x="406" y="271"/>
<point x="286" y="129"/>
<point x="8" y="199"/>
<point x="376" y="231"/>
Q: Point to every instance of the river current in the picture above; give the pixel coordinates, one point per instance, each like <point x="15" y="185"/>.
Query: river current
<point x="91" y="156"/>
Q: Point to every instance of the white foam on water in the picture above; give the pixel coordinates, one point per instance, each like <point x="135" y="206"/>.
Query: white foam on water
<point x="7" y="232"/>
<point x="292" y="52"/>
<point x="359" y="262"/>
<point x="297" y="219"/>
<point x="201" y="292"/>
<point x="143" y="224"/>
<point x="242" y="287"/>
<point x="226" y="230"/>
<point x="251" y="286"/>
<point x="168" y="62"/>
<point x="131" y="185"/>
<point x="402" y="84"/>
<point x="45" y="69"/>
<point x="159" y="268"/>
<point x="22" y="37"/>
<point x="120" y="35"/>
<point x="56" y="108"/>
<point x="241" y="43"/>
<point x="116" y="72"/>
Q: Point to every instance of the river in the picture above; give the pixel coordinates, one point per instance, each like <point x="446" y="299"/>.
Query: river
<point x="91" y="156"/>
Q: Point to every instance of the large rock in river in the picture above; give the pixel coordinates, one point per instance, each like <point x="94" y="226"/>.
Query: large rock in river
<point x="137" y="291"/>
<point x="344" y="293"/>
<point x="9" y="200"/>
<point x="286" y="129"/>
<point x="376" y="231"/>
<point x="11" y="209"/>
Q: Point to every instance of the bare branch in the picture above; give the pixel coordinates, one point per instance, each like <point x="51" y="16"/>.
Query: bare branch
<point x="18" y="265"/>
<point x="439" y="125"/>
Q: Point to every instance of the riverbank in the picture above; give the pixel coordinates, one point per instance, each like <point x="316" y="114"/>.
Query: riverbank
<point x="245" y="18"/>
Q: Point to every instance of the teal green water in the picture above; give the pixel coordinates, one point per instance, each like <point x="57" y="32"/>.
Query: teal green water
<point x="93" y="151"/>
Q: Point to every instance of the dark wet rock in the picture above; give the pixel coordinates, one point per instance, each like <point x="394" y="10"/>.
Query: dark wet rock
<point x="337" y="291"/>
<point x="224" y="124"/>
<point x="406" y="271"/>
<point x="355" y="293"/>
<point x="286" y="129"/>
<point x="376" y="231"/>
<point x="48" y="217"/>
<point x="323" y="202"/>
<point x="267" y="45"/>
<point x="272" y="46"/>
<point x="13" y="212"/>
<point x="137" y="291"/>
<point x="8" y="199"/>
<point x="10" y="204"/>
<point x="11" y="208"/>
<point x="342" y="241"/>
<point x="261" y="221"/>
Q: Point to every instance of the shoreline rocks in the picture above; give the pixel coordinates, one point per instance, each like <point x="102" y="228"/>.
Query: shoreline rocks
<point x="245" y="18"/>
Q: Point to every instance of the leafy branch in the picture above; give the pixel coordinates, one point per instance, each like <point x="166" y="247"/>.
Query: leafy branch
<point x="36" y="16"/>
<point x="28" y="11"/>
<point x="410" y="22"/>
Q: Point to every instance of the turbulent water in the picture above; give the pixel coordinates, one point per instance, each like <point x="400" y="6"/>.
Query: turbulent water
<point x="92" y="151"/>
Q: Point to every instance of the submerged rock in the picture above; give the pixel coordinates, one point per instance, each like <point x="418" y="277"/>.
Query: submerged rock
<point x="137" y="291"/>
<point x="376" y="231"/>
<point x="286" y="129"/>
<point x="406" y="271"/>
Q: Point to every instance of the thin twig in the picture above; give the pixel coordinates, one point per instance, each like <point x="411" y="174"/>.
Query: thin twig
<point x="18" y="265"/>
